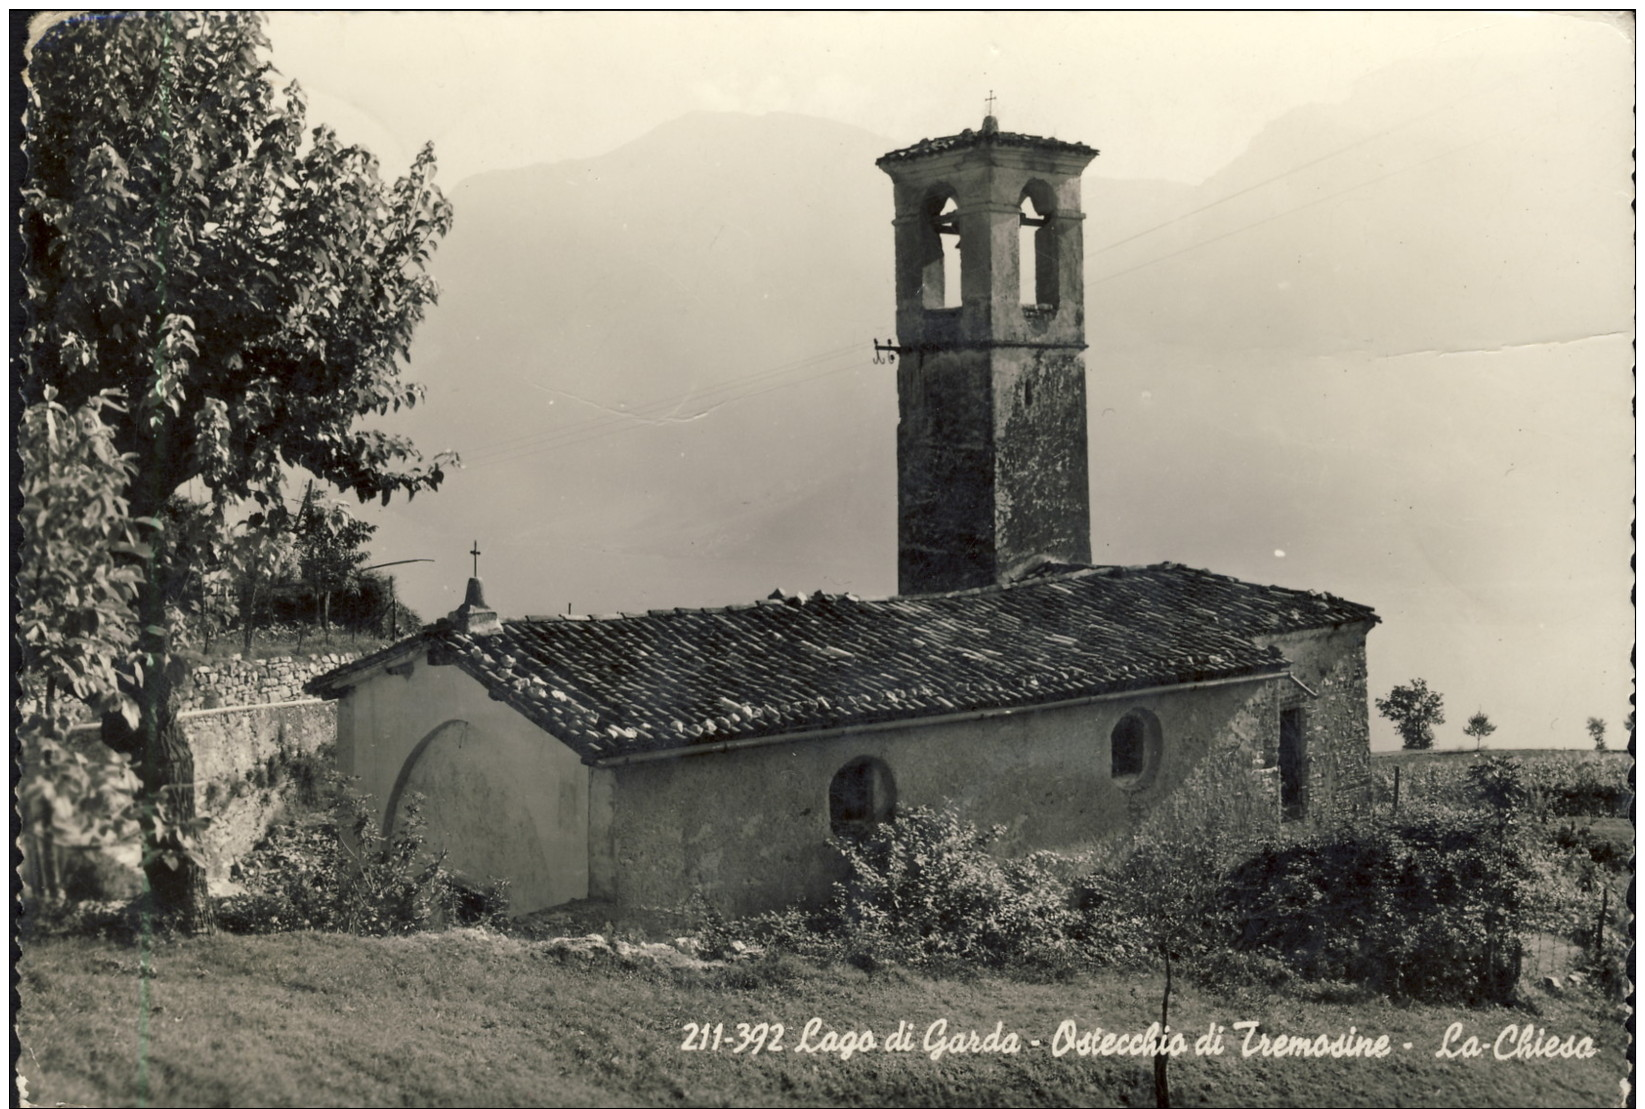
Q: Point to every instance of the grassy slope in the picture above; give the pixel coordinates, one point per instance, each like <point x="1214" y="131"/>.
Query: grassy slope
<point x="470" y="1018"/>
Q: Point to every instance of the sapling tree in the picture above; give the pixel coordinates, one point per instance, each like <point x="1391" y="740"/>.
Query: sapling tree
<point x="1596" y="732"/>
<point x="1479" y="726"/>
<point x="234" y="293"/>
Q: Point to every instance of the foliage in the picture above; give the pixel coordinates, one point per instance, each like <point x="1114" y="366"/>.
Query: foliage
<point x="929" y="888"/>
<point x="1158" y="900"/>
<point x="1500" y="783"/>
<point x="1166" y="890"/>
<point x="76" y="631"/>
<point x="1429" y="908"/>
<point x="1414" y="709"/>
<point x="1596" y="732"/>
<point x="1479" y="726"/>
<point x="250" y="288"/>
<point x="227" y="294"/>
<point x="1564" y="784"/>
<point x="344" y="875"/>
<point x="1583" y="840"/>
<point x="926" y="886"/>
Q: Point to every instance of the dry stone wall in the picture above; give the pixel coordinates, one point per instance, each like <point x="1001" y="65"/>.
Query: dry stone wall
<point x="259" y="681"/>
<point x="250" y="765"/>
<point x="259" y="745"/>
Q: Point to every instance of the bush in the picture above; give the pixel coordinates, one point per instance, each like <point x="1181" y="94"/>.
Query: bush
<point x="1581" y="840"/>
<point x="925" y="887"/>
<point x="344" y="875"/>
<point x="1161" y="897"/>
<point x="1429" y="909"/>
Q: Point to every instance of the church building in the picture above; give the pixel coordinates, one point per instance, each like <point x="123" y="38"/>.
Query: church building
<point x="719" y="754"/>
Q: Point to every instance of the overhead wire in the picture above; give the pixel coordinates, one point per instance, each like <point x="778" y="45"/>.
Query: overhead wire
<point x="678" y="399"/>
<point x="1292" y="211"/>
<point x="1338" y="152"/>
<point x="649" y="414"/>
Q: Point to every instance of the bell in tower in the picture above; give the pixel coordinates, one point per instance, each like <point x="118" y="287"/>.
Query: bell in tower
<point x="991" y="445"/>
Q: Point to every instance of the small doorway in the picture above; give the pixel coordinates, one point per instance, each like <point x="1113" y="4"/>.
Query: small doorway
<point x="1293" y="764"/>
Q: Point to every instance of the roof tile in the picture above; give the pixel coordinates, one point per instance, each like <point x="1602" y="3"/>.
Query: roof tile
<point x="660" y="680"/>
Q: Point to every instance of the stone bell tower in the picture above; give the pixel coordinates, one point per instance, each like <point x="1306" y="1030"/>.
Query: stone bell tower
<point x="991" y="446"/>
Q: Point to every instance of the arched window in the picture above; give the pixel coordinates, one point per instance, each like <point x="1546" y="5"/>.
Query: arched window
<point x="1037" y="247"/>
<point x="940" y="271"/>
<point x="861" y="795"/>
<point x="1134" y="749"/>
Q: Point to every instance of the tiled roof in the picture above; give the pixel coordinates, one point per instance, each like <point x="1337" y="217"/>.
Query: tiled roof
<point x="969" y="138"/>
<point x="672" y="678"/>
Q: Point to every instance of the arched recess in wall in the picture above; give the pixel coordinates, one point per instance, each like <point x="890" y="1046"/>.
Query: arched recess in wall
<point x="1135" y="748"/>
<point x="940" y="273"/>
<point x="489" y="803"/>
<point x="862" y="794"/>
<point x="1037" y="245"/>
<point x="451" y="730"/>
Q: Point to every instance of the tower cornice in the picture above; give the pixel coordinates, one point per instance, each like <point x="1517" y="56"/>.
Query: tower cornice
<point x="986" y="140"/>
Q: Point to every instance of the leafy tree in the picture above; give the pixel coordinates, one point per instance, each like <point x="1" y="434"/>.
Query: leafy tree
<point x="329" y="541"/>
<point x="1414" y="710"/>
<point x="1596" y="731"/>
<point x="258" y="559"/>
<point x="76" y="627"/>
<point x="239" y="290"/>
<point x="1479" y="726"/>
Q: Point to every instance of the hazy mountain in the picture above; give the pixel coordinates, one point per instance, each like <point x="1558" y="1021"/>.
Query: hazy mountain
<point x="657" y="367"/>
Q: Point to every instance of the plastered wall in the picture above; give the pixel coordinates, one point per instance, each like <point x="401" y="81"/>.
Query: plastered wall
<point x="748" y="829"/>
<point x="504" y="799"/>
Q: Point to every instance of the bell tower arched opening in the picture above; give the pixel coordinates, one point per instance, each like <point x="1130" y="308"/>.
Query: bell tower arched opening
<point x="1037" y="247"/>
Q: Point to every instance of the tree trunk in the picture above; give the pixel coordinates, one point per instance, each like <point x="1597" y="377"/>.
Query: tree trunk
<point x="176" y="879"/>
<point x="165" y="767"/>
<point x="248" y="609"/>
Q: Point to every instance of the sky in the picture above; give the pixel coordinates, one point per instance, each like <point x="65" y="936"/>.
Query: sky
<point x="1173" y="95"/>
<point x="1511" y="132"/>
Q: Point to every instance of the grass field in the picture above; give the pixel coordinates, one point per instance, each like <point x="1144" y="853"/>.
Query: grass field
<point x="475" y="1018"/>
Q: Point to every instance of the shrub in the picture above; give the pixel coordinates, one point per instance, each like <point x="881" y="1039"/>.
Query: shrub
<point x="344" y="875"/>
<point x="1499" y="782"/>
<point x="1581" y="840"/>
<point x="926" y="886"/>
<point x="1428" y="909"/>
<point x="1161" y="897"/>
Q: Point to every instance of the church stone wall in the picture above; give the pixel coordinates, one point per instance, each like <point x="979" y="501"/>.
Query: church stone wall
<point x="1331" y="663"/>
<point x="748" y="830"/>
